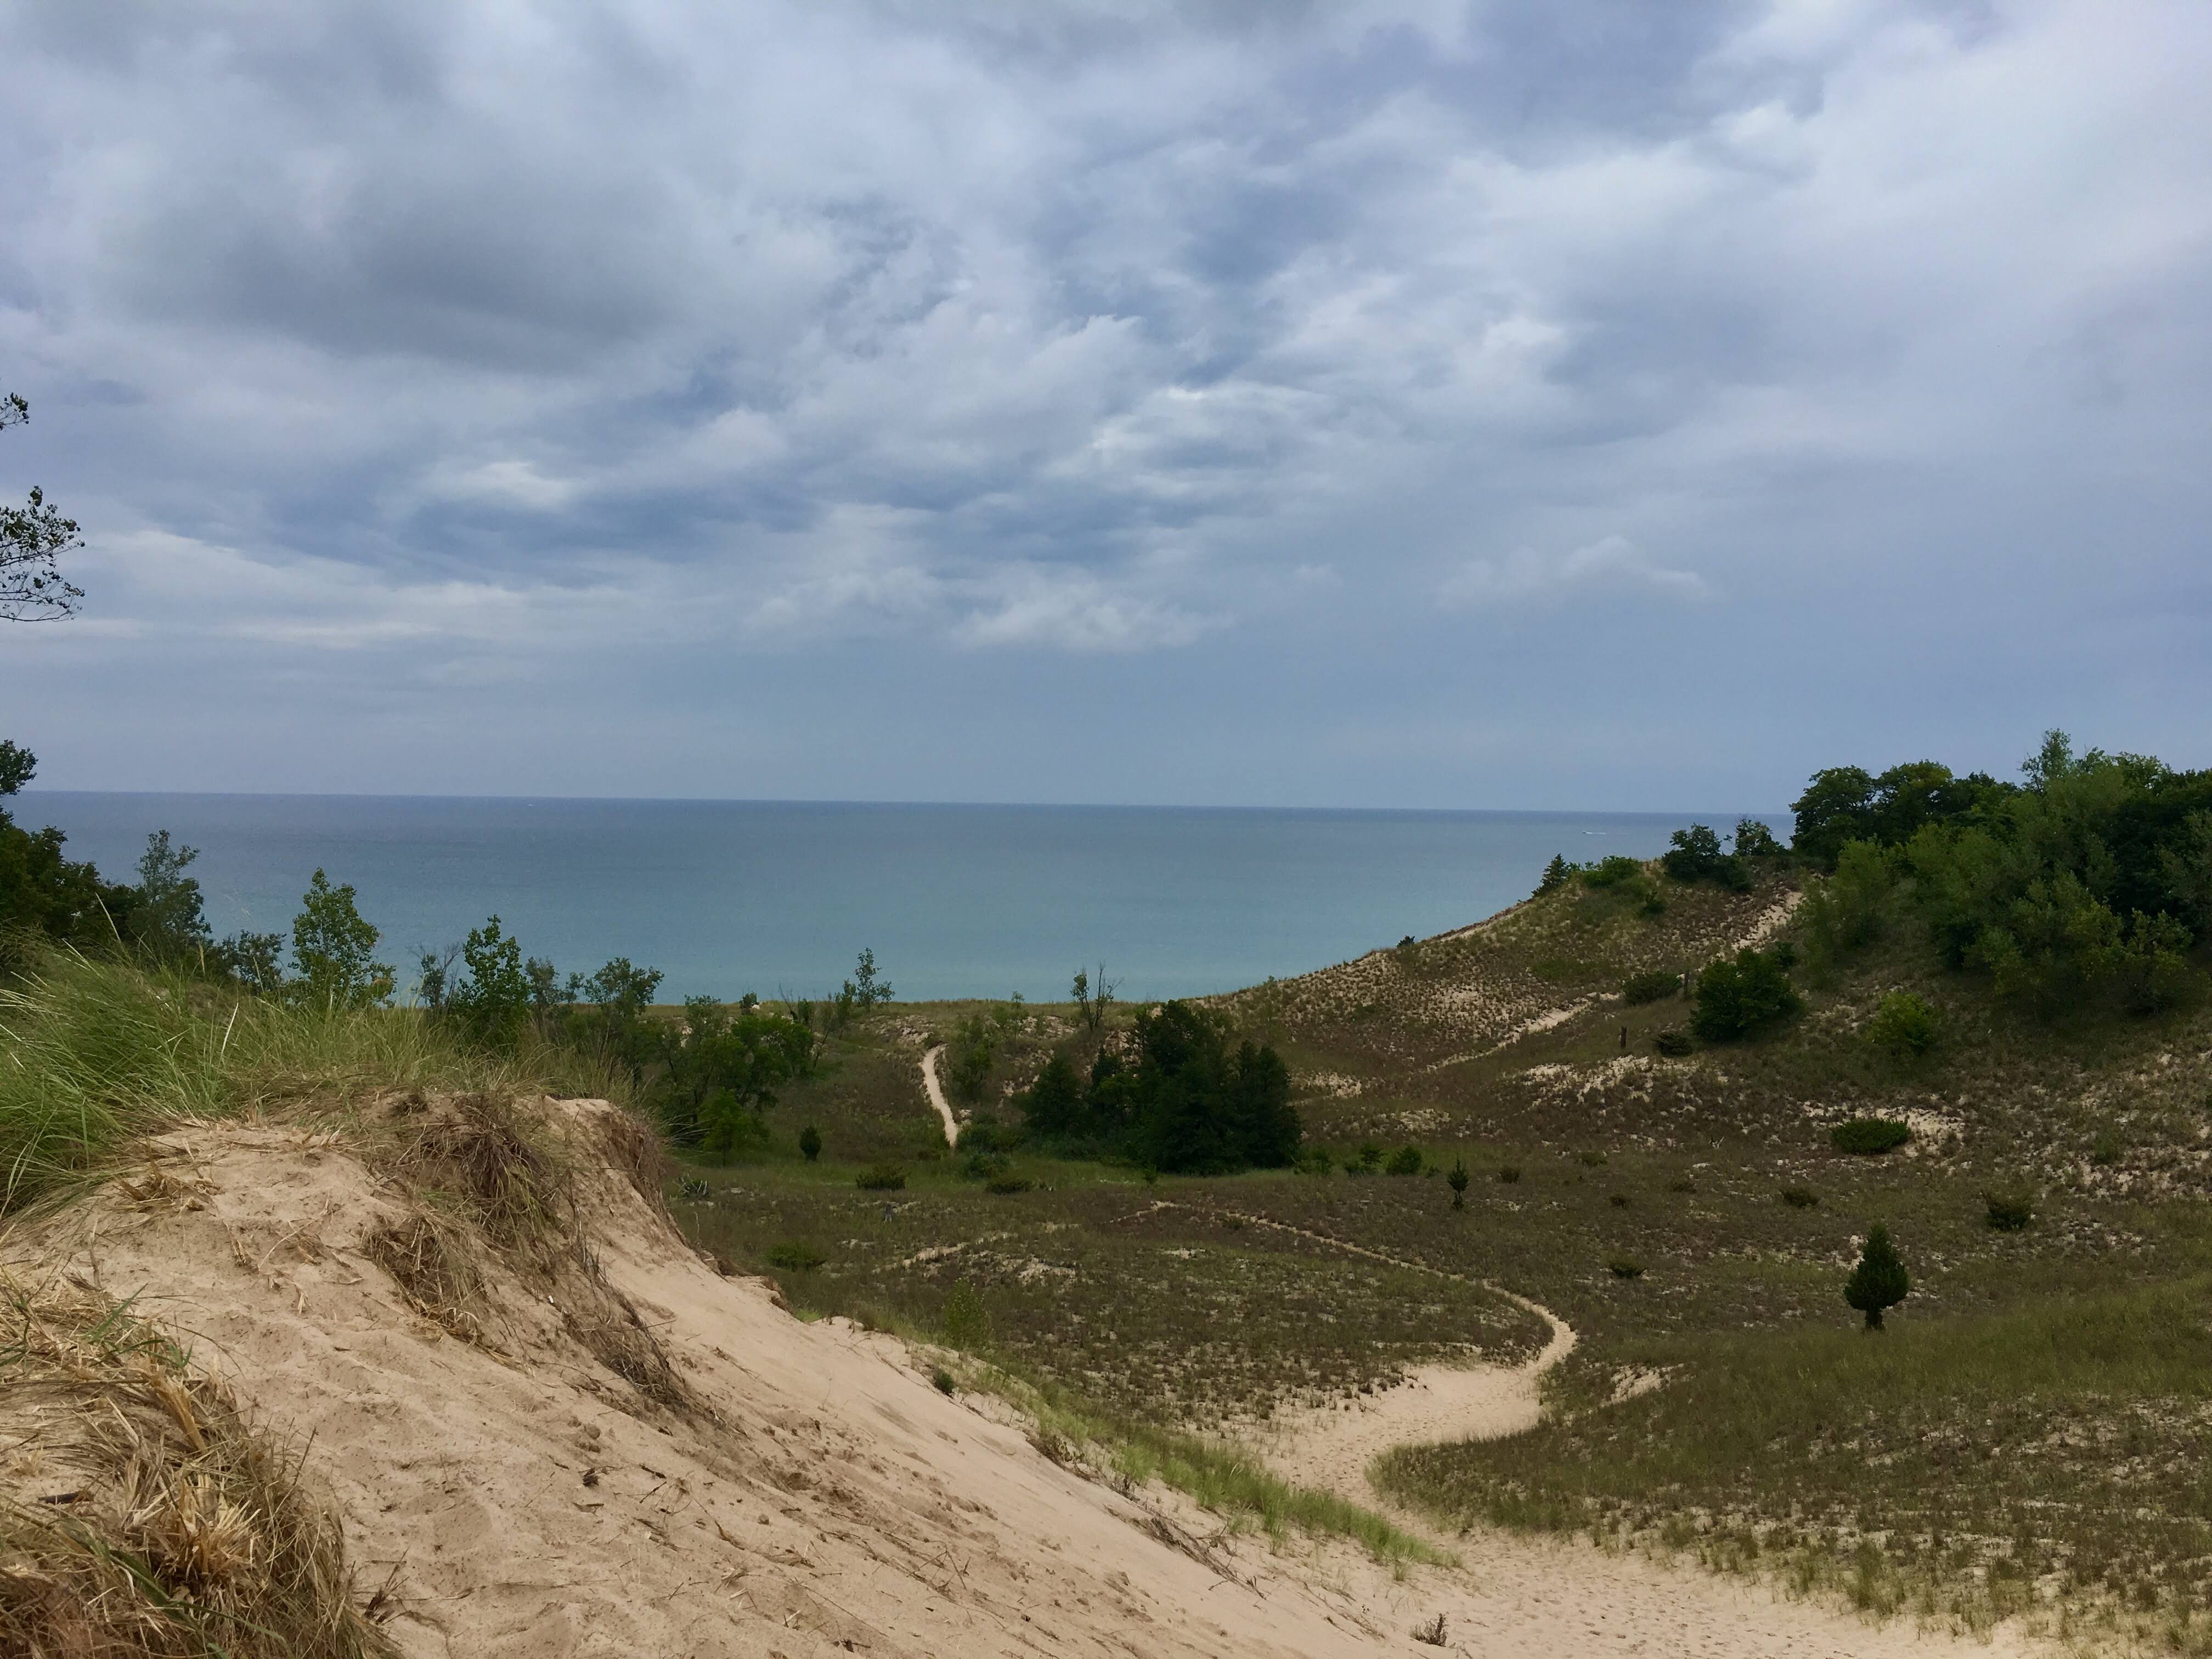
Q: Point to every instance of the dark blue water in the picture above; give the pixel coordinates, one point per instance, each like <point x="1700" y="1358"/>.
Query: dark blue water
<point x="728" y="896"/>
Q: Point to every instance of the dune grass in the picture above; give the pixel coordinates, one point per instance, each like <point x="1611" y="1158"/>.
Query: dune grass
<point x="1965" y="1468"/>
<point x="98" y="1051"/>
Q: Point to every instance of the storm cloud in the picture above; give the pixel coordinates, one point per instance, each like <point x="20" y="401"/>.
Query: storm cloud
<point x="1590" y="404"/>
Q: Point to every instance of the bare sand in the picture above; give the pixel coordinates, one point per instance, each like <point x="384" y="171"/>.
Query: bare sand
<point x="937" y="1094"/>
<point x="814" y="1496"/>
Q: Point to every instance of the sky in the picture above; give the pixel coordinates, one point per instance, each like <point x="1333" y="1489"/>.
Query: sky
<point x="1576" y="403"/>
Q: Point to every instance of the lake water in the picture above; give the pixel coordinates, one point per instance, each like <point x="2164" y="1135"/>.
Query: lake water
<point x="729" y="897"/>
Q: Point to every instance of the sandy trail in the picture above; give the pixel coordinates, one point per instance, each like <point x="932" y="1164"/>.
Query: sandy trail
<point x="1549" y="1597"/>
<point x="937" y="1096"/>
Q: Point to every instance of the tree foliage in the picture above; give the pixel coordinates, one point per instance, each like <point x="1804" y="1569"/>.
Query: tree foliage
<point x="1739" y="995"/>
<point x="32" y="538"/>
<point x="1880" y="1281"/>
<point x="331" y="947"/>
<point x="1186" y="1103"/>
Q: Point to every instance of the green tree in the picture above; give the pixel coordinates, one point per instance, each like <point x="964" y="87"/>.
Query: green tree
<point x="32" y="540"/>
<point x="867" y="991"/>
<point x="42" y="891"/>
<point x="493" y="1003"/>
<point x="167" y="919"/>
<point x="331" y="950"/>
<point x="1738" y="997"/>
<point x="1880" y="1280"/>
<point x="810" y="1143"/>
<point x="1457" y="1180"/>
<point x="750" y="1054"/>
<point x="975" y="1048"/>
<point x="1556" y="875"/>
<point x="1054" y="1105"/>
<point x="1754" y="840"/>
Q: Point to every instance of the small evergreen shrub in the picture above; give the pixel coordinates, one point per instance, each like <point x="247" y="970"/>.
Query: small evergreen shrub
<point x="1406" y="1161"/>
<point x="1869" y="1137"/>
<point x="1457" y="1180"/>
<point x="1368" y="1161"/>
<point x="880" y="1178"/>
<point x="2008" y="1212"/>
<point x="1671" y="1043"/>
<point x="941" y="1380"/>
<point x="1682" y="1184"/>
<point x="1800" y="1198"/>
<point x="1624" y="1267"/>
<point x="1509" y="1173"/>
<point x="1593" y="1158"/>
<point x="1650" y="987"/>
<point x="810" y="1143"/>
<point x="2105" y="1149"/>
<point x="1007" y="1183"/>
<point x="1618" y="1200"/>
<point x="1880" y="1281"/>
<point x="795" y="1258"/>
<point x="1314" y="1161"/>
<point x="1903" y="1026"/>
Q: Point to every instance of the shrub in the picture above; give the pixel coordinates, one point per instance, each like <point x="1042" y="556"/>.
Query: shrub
<point x="967" y="1322"/>
<point x="1406" y="1161"/>
<point x="1743" y="994"/>
<point x="795" y="1258"/>
<point x="1880" y="1280"/>
<point x="1593" y="1158"/>
<point x="1650" y="987"/>
<point x="1869" y="1137"/>
<point x="1368" y="1161"/>
<point x="1800" y="1198"/>
<point x="810" y="1143"/>
<point x="880" y="1178"/>
<point x="1624" y="1267"/>
<point x="1613" y="872"/>
<point x="1457" y="1180"/>
<point x="1903" y="1026"/>
<point x="1509" y="1173"/>
<point x="1618" y="1200"/>
<point x="1314" y="1161"/>
<point x="1681" y="1184"/>
<point x="1672" y="1043"/>
<point x="2009" y="1211"/>
<point x="2105" y="1149"/>
<point x="941" y="1380"/>
<point x="1003" y="1184"/>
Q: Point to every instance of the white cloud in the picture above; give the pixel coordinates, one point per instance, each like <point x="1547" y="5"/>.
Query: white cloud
<point x="1611" y="566"/>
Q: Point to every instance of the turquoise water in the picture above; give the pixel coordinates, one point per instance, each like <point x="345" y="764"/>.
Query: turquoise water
<point x="730" y="897"/>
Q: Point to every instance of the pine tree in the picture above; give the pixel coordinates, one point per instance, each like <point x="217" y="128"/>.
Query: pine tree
<point x="1457" y="1180"/>
<point x="1880" y="1280"/>
<point x="1555" y="875"/>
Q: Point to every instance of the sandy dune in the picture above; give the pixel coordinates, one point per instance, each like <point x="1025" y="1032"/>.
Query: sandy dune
<point x="813" y="1496"/>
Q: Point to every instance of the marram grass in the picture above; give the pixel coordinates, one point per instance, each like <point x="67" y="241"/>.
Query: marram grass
<point x="94" y="1052"/>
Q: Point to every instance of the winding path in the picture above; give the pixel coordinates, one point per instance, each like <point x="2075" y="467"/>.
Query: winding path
<point x="936" y="1092"/>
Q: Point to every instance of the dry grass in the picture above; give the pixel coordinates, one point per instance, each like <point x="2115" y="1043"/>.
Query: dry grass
<point x="144" y="1514"/>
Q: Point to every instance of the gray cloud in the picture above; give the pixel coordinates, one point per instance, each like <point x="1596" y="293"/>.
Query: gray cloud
<point x="388" y="349"/>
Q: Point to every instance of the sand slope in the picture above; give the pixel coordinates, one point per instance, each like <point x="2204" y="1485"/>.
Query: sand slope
<point x="815" y="1496"/>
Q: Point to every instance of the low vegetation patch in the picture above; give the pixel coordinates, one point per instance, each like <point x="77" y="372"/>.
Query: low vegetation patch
<point x="1869" y="1137"/>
